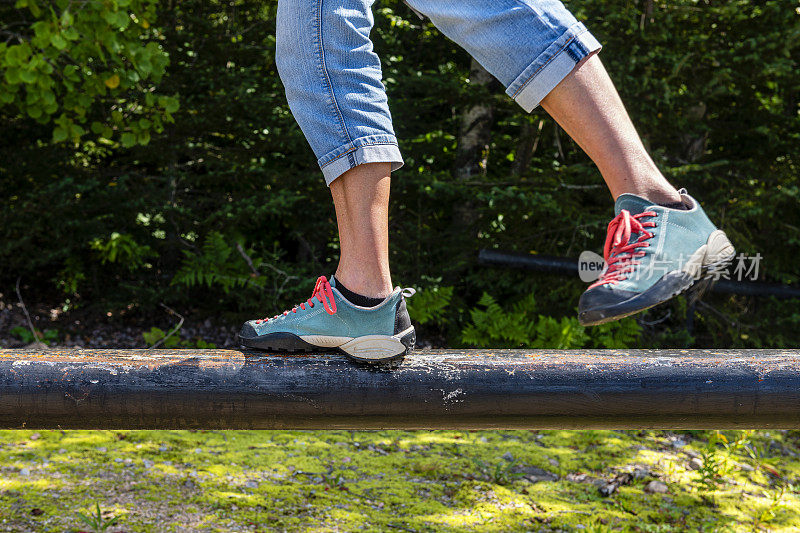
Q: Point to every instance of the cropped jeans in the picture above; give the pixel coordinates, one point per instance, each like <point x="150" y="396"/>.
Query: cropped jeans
<point x="332" y="76"/>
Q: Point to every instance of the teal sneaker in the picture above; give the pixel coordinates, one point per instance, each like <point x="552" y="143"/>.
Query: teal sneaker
<point x="328" y="321"/>
<point x="652" y="253"/>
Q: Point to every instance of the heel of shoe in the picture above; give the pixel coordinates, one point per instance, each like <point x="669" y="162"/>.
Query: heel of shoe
<point x="719" y="253"/>
<point x="710" y="258"/>
<point x="380" y="348"/>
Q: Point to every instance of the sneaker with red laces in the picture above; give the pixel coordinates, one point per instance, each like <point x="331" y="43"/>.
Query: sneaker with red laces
<point x="652" y="253"/>
<point x="328" y="321"/>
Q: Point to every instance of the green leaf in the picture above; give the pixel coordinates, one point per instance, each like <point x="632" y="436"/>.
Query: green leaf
<point x="60" y="134"/>
<point x="58" y="42"/>
<point x="171" y="105"/>
<point x="128" y="139"/>
<point x="27" y="76"/>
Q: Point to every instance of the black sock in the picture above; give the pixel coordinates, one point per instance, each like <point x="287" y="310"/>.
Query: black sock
<point x="675" y="205"/>
<point x="357" y="299"/>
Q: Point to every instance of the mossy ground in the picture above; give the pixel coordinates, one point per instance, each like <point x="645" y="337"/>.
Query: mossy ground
<point x="397" y="480"/>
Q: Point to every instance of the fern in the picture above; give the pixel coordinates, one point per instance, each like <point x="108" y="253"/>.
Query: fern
<point x="521" y="326"/>
<point x="427" y="305"/>
<point x="217" y="264"/>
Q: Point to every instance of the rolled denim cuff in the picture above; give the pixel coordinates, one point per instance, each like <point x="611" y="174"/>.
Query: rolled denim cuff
<point x="370" y="149"/>
<point x="552" y="66"/>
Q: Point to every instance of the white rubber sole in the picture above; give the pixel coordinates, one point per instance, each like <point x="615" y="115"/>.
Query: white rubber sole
<point x="370" y="348"/>
<point x="715" y="254"/>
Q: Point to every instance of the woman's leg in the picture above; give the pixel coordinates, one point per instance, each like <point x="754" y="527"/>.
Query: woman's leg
<point x="587" y="106"/>
<point x="333" y="85"/>
<point x="361" y="197"/>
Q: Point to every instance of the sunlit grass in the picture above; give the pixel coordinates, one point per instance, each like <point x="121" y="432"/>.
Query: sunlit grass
<point x="393" y="480"/>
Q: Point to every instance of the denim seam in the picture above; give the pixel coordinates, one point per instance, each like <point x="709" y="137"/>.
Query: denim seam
<point x="552" y="57"/>
<point x="322" y="66"/>
<point x="356" y="147"/>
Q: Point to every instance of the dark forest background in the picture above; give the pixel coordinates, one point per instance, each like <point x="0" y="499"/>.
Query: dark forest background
<point x="148" y="157"/>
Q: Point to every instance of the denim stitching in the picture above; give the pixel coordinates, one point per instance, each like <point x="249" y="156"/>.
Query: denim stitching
<point x="354" y="148"/>
<point x="575" y="54"/>
<point x="324" y="70"/>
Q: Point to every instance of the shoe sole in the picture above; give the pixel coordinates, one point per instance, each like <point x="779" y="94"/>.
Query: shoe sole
<point x="716" y="254"/>
<point x="371" y="349"/>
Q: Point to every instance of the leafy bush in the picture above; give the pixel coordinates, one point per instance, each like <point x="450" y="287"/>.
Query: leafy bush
<point x="523" y="326"/>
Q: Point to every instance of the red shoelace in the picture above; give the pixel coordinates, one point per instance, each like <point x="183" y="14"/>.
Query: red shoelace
<point x="322" y="292"/>
<point x="619" y="252"/>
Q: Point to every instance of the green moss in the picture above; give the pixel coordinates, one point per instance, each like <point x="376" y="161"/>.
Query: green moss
<point x="393" y="480"/>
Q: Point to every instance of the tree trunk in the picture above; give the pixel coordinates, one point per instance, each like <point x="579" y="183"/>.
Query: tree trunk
<point x="526" y="147"/>
<point x="476" y="127"/>
<point x="473" y="141"/>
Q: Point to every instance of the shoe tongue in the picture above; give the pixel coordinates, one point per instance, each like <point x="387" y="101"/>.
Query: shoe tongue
<point x="634" y="204"/>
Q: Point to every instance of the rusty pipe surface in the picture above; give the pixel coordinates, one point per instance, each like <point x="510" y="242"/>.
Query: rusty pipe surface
<point x="432" y="389"/>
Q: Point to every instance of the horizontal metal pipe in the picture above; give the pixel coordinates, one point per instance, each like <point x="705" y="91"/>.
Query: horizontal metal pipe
<point x="569" y="266"/>
<point x="437" y="389"/>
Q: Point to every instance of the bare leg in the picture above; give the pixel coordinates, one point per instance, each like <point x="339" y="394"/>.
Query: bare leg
<point x="361" y="198"/>
<point x="587" y="106"/>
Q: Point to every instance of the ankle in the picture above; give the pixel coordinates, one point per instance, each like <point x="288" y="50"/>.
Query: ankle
<point x="359" y="282"/>
<point x="657" y="190"/>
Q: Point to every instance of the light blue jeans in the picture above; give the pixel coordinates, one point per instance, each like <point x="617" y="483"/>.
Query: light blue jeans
<point x="332" y="75"/>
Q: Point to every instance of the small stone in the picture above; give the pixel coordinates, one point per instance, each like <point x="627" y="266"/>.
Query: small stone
<point x="656" y="487"/>
<point x="346" y="459"/>
<point x="198" y="450"/>
<point x="534" y="474"/>
<point x="102" y="449"/>
<point x="35" y="436"/>
<point x="678" y="443"/>
<point x="148" y="463"/>
<point x="25" y="472"/>
<point x="695" y="463"/>
<point x="576" y="477"/>
<point x="251" y="484"/>
<point x="641" y="472"/>
<point x="62" y="450"/>
<point x="554" y="462"/>
<point x="117" y="460"/>
<point x="508" y="456"/>
<point x="163" y="448"/>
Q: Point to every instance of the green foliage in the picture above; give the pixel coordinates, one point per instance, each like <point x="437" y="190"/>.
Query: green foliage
<point x="96" y="522"/>
<point x="122" y="249"/>
<point x="717" y="458"/>
<point x="216" y="264"/>
<point x="156" y="335"/>
<point x="92" y="66"/>
<point x="501" y="472"/>
<point x="523" y="326"/>
<point x="430" y="305"/>
<point x="24" y="334"/>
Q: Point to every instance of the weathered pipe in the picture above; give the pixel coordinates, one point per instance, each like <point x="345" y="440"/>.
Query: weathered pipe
<point x="441" y="389"/>
<point x="569" y="266"/>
